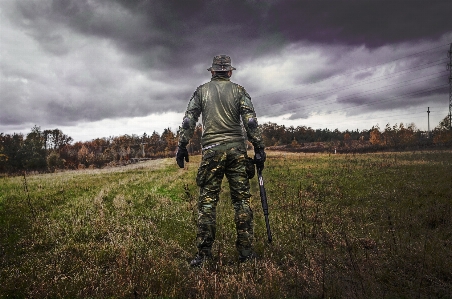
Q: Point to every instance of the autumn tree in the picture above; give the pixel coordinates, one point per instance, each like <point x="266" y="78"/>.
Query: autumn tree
<point x="408" y="135"/>
<point x="375" y="136"/>
<point x="442" y="134"/>
<point x="347" y="136"/>
<point x="399" y="136"/>
<point x="154" y="143"/>
<point x="195" y="142"/>
<point x="82" y="155"/>
<point x="169" y="141"/>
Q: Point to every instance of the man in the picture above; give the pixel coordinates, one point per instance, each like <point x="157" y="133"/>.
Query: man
<point x="225" y="107"/>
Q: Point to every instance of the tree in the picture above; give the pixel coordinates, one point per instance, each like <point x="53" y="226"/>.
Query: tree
<point x="444" y="125"/>
<point x="169" y="141"/>
<point x="408" y="135"/>
<point x="55" y="139"/>
<point x="375" y="136"/>
<point x="34" y="152"/>
<point x="54" y="161"/>
<point x="442" y="133"/>
<point x="195" y="141"/>
<point x="154" y="143"/>
<point x="82" y="155"/>
<point x="347" y="136"/>
<point x="400" y="136"/>
<point x="10" y="152"/>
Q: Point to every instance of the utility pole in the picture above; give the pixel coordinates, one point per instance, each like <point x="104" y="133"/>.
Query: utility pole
<point x="449" y="67"/>
<point x="142" y="148"/>
<point x="428" y="118"/>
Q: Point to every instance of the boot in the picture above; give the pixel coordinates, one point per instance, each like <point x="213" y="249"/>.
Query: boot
<point x="251" y="257"/>
<point x="199" y="260"/>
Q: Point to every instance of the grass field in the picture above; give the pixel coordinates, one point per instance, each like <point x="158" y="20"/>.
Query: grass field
<point x="344" y="226"/>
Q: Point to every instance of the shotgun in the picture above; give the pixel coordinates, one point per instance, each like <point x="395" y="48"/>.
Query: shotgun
<point x="264" y="200"/>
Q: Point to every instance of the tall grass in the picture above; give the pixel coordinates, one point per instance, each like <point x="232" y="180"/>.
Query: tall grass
<point x="344" y="226"/>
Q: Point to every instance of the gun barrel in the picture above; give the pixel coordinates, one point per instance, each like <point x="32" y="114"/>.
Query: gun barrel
<point x="264" y="202"/>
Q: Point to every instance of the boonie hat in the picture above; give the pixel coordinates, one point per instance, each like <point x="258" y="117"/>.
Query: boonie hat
<point x="221" y="63"/>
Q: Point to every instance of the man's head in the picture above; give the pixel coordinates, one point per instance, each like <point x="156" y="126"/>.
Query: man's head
<point x="221" y="63"/>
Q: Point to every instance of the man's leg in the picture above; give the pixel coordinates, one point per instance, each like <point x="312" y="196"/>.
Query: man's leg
<point x="210" y="175"/>
<point x="207" y="205"/>
<point x="240" y="195"/>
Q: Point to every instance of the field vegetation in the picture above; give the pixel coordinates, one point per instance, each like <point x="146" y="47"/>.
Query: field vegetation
<point x="344" y="226"/>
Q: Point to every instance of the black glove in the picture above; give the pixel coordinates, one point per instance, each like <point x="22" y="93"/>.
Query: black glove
<point x="180" y="155"/>
<point x="259" y="158"/>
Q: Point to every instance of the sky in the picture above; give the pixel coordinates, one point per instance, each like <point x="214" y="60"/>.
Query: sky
<point x="101" y="68"/>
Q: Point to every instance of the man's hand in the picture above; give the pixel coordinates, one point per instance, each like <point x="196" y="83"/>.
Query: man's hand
<point x="181" y="154"/>
<point x="259" y="158"/>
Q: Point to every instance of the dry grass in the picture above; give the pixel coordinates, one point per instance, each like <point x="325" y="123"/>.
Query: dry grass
<point x="344" y="226"/>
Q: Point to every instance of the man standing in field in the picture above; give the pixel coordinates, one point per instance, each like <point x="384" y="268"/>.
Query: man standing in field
<point x="225" y="108"/>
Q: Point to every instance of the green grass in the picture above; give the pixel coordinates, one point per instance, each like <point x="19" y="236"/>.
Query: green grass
<point x="344" y="226"/>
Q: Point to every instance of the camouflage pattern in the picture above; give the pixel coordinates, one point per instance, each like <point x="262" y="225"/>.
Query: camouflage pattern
<point x="221" y="63"/>
<point x="224" y="105"/>
<point x="229" y="160"/>
<point x="227" y="111"/>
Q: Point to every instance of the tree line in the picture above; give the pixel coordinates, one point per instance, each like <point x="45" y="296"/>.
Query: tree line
<point x="49" y="150"/>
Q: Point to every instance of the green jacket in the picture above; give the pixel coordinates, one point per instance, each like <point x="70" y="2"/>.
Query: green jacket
<point x="223" y="105"/>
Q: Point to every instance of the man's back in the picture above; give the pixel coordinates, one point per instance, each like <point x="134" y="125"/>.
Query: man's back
<point x="220" y="108"/>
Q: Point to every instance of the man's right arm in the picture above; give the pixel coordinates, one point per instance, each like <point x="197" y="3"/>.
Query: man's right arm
<point x="187" y="129"/>
<point x="192" y="114"/>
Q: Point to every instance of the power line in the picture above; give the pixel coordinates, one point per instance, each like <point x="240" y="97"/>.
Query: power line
<point x="348" y="86"/>
<point x="397" y="85"/>
<point x="366" y="118"/>
<point x="355" y="120"/>
<point x="418" y="92"/>
<point x="426" y="91"/>
<point x="449" y="66"/>
<point x="354" y="71"/>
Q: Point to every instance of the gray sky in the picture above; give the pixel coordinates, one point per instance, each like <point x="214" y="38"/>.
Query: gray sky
<point x="98" y="68"/>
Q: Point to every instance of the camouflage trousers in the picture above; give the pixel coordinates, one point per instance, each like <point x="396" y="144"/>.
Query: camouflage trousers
<point x="229" y="160"/>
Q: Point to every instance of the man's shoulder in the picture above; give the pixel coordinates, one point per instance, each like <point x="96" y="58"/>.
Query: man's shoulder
<point x="238" y="86"/>
<point x="242" y="89"/>
<point x="205" y="85"/>
<point x="202" y="86"/>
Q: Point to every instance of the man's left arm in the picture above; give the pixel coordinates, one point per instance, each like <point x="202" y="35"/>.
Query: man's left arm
<point x="249" y="119"/>
<point x="252" y="129"/>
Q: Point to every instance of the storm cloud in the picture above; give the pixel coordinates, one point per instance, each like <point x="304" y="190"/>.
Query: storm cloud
<point x="76" y="64"/>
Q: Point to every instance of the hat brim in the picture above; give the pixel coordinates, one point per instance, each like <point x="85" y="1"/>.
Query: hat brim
<point x="221" y="68"/>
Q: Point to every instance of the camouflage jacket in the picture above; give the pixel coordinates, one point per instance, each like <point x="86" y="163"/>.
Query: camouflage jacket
<point x="223" y="105"/>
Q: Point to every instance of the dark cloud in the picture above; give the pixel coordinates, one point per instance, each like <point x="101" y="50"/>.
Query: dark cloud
<point x="175" y="34"/>
<point x="160" y="34"/>
<point x="89" y="60"/>
<point x="373" y="23"/>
